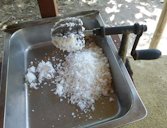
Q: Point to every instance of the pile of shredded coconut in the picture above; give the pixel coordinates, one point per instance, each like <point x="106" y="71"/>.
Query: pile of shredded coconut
<point x="36" y="75"/>
<point x="67" y="34"/>
<point x="84" y="77"/>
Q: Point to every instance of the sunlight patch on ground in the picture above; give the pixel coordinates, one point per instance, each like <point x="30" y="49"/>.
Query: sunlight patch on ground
<point x="112" y="18"/>
<point x="111" y="2"/>
<point x="138" y="15"/>
<point x="157" y="11"/>
<point x="144" y="4"/>
<point x="114" y="9"/>
<point x="130" y="22"/>
<point x="128" y="1"/>
<point x="120" y="5"/>
<point x="162" y="46"/>
<point x="89" y="2"/>
<point x="144" y="11"/>
<point x="151" y="24"/>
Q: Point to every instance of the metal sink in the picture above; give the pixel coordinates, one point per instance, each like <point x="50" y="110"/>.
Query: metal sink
<point x="27" y="108"/>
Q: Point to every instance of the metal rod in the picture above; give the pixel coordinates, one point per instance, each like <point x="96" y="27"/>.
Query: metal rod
<point x="136" y="29"/>
<point x="123" y="48"/>
<point x="135" y="44"/>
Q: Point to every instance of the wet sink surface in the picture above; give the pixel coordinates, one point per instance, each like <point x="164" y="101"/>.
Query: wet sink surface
<point x="45" y="107"/>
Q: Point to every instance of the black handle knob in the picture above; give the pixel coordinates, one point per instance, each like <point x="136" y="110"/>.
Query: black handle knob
<point x="147" y="54"/>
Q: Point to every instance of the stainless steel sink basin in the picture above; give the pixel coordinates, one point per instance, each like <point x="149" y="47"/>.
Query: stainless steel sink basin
<point x="27" y="108"/>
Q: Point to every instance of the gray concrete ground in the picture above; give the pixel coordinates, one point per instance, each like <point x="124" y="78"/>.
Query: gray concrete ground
<point x="150" y="80"/>
<point x="149" y="76"/>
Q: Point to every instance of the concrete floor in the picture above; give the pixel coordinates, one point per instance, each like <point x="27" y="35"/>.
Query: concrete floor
<point x="150" y="80"/>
